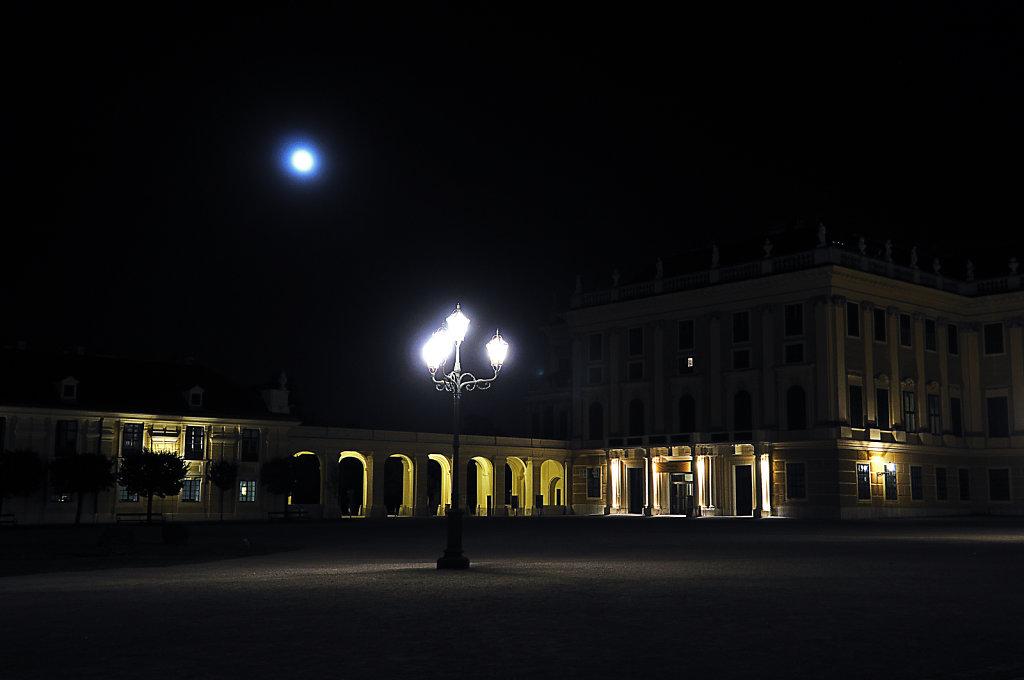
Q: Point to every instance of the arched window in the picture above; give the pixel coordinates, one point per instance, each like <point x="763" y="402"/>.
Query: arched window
<point x="743" y="411"/>
<point x="687" y="414"/>
<point x="596" y="421"/>
<point x="636" y="418"/>
<point x="796" y="408"/>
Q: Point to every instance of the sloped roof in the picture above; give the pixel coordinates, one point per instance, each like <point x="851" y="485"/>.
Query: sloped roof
<point x="30" y="378"/>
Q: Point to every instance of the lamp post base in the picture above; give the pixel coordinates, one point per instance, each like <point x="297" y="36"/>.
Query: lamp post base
<point x="453" y="557"/>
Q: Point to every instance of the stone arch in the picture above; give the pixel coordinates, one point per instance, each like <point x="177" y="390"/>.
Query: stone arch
<point x="308" y="479"/>
<point x="515" y="484"/>
<point x="552" y="482"/>
<point x="398" y="484"/>
<point x="352" y="483"/>
<point x="480" y="485"/>
<point x="439" y="483"/>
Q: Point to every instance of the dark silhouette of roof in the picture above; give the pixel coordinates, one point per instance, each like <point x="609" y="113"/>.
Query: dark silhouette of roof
<point x="34" y="379"/>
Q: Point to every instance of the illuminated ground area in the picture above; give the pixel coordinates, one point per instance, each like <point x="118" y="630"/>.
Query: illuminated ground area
<point x="545" y="598"/>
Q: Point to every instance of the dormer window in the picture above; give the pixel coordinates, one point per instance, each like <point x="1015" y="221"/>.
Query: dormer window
<point x="68" y="389"/>
<point x="194" y="397"/>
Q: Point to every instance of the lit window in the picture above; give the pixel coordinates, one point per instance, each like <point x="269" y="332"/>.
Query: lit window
<point x="190" y="488"/>
<point x="247" y="491"/>
<point x="131" y="438"/>
<point x="864" y="481"/>
<point x="125" y="497"/>
<point x="194" y="438"/>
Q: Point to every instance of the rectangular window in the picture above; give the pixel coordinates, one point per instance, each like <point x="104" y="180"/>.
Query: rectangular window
<point x="686" y="334"/>
<point x="998" y="417"/>
<point x="952" y="339"/>
<point x="879" y="325"/>
<point x="794" y="320"/>
<point x="741" y="327"/>
<point x="929" y="334"/>
<point x="593" y="482"/>
<point x="906" y="334"/>
<point x="910" y="411"/>
<point x="636" y="342"/>
<point x="190" y="489"/>
<point x="65" y="442"/>
<point x="596" y="349"/>
<point x="125" y="497"/>
<point x="131" y="438"/>
<point x="882" y="403"/>
<point x="891" y="491"/>
<point x="934" y="414"/>
<point x="916" y="484"/>
<point x="864" y="481"/>
<point x="956" y="420"/>
<point x="796" y="480"/>
<point x="964" y="480"/>
<point x="999" y="485"/>
<point x="250" y="445"/>
<point x="853" y="319"/>
<point x="941" y="488"/>
<point x="636" y="370"/>
<point x="993" y="338"/>
<point x="856" y="406"/>
<point x="247" y="491"/>
<point x="194" y="440"/>
<point x="741" y="358"/>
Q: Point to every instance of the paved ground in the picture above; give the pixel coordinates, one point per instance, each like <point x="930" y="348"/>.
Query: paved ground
<point x="570" y="597"/>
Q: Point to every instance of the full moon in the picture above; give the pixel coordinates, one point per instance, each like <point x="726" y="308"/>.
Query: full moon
<point x="302" y="160"/>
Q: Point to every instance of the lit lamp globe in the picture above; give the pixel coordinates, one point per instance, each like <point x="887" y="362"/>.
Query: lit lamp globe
<point x="497" y="350"/>
<point x="437" y="349"/>
<point x="458" y="324"/>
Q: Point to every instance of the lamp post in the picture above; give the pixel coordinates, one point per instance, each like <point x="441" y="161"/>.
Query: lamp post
<point x="435" y="354"/>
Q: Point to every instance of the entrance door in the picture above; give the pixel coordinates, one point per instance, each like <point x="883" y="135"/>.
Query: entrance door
<point x="744" y="489"/>
<point x="635" y="489"/>
<point x="680" y="498"/>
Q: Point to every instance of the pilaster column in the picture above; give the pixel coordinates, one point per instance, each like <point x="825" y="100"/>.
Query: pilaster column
<point x="1015" y="349"/>
<point x="649" y="483"/>
<point x="974" y="410"/>
<point x="660" y="397"/>
<point x="757" y="481"/>
<point x="842" y="392"/>
<point x="769" y="400"/>
<point x="892" y="315"/>
<point x="614" y="384"/>
<point x="499" y="462"/>
<point x="867" y="310"/>
<point x="921" y="394"/>
<point x="578" y="406"/>
<point x="715" y="368"/>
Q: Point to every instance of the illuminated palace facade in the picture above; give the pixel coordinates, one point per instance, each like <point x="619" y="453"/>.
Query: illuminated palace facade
<point x="71" y="404"/>
<point x="824" y="382"/>
<point x="827" y="382"/>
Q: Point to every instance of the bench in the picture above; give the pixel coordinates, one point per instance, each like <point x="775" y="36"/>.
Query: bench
<point x="137" y="517"/>
<point x="298" y="513"/>
<point x="8" y="518"/>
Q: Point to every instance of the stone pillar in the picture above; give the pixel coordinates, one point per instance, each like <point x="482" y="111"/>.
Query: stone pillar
<point x="421" y="462"/>
<point x="499" y="462"/>
<point x="758" y="501"/>
<point x="567" y="466"/>
<point x="649" y="482"/>
<point x="534" y="487"/>
<point x="373" y="504"/>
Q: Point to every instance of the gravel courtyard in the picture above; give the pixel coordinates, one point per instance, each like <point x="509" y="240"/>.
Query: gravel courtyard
<point x="567" y="597"/>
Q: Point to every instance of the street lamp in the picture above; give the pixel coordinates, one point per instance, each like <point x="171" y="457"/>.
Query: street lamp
<point x="435" y="354"/>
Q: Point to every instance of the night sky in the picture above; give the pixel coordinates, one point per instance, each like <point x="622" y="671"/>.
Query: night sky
<point x="482" y="153"/>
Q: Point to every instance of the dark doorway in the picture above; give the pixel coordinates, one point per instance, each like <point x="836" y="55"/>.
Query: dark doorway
<point x="471" y="487"/>
<point x="350" y="486"/>
<point x="680" y="499"/>
<point x="744" y="489"/>
<point x="307" y="480"/>
<point x="433" y="487"/>
<point x="394" y="473"/>
<point x="635" y="489"/>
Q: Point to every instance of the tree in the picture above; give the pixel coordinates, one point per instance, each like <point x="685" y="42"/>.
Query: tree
<point x="152" y="474"/>
<point x="278" y="477"/>
<point x="82" y="474"/>
<point x="222" y="474"/>
<point x="20" y="472"/>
